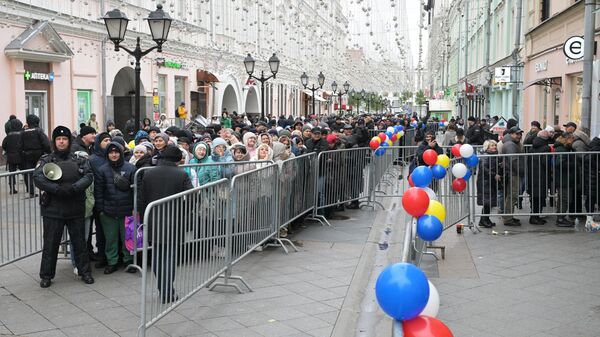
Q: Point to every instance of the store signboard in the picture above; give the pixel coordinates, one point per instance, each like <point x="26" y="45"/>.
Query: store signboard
<point x="29" y="76"/>
<point x="573" y="47"/>
<point x="502" y="74"/>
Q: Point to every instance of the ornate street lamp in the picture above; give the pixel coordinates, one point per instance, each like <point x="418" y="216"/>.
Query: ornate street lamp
<point x="249" y="65"/>
<point x="340" y="94"/>
<point x="116" y="26"/>
<point x="320" y="80"/>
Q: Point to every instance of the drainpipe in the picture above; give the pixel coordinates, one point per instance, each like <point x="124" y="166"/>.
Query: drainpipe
<point x="103" y="71"/>
<point x="588" y="63"/>
<point x="515" y="57"/>
<point x="488" y="33"/>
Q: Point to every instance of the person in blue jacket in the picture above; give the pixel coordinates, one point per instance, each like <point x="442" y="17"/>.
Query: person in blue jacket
<point x="114" y="200"/>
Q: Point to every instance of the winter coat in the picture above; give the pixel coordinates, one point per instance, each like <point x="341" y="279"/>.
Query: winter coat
<point x="109" y="199"/>
<point x="513" y="165"/>
<point x="474" y="135"/>
<point x="592" y="166"/>
<point x="281" y="152"/>
<point x="241" y="168"/>
<point x="11" y="144"/>
<point x="448" y="137"/>
<point x="564" y="166"/>
<point x="205" y="174"/>
<point x="316" y="146"/>
<point x="153" y="189"/>
<point x="78" y="146"/>
<point x="538" y="167"/>
<point x="424" y="146"/>
<point x="75" y="171"/>
<point x="487" y="186"/>
<point x="34" y="141"/>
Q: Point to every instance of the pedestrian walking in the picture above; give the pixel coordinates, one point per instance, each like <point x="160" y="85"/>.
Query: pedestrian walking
<point x="63" y="204"/>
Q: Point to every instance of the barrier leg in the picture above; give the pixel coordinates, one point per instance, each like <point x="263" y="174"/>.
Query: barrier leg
<point x="226" y="277"/>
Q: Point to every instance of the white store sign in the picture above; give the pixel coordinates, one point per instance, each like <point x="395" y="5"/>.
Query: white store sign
<point x="502" y="75"/>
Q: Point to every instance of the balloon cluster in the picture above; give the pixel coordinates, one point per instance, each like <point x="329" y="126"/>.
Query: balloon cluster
<point x="443" y="123"/>
<point x="404" y="293"/>
<point x="461" y="171"/>
<point x="386" y="139"/>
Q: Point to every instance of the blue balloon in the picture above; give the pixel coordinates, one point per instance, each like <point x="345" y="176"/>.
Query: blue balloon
<point x="389" y="135"/>
<point x="472" y="161"/>
<point x="400" y="128"/>
<point x="384" y="144"/>
<point x="439" y="172"/>
<point x="380" y="151"/>
<point x="402" y="291"/>
<point x="396" y="128"/>
<point x="441" y="124"/>
<point x="423" y="126"/>
<point x="422" y="176"/>
<point x="467" y="176"/>
<point x="429" y="228"/>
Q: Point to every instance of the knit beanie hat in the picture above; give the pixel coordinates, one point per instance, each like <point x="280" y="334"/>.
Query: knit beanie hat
<point x="164" y="136"/>
<point x="140" y="148"/>
<point x="86" y="130"/>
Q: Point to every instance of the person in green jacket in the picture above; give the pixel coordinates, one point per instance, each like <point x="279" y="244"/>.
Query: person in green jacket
<point x="204" y="174"/>
<point x="225" y="120"/>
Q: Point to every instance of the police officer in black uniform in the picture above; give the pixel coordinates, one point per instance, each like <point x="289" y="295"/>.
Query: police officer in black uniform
<point x="34" y="144"/>
<point x="63" y="204"/>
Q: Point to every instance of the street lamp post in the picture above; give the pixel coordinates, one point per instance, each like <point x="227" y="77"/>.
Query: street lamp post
<point x="340" y="94"/>
<point x="304" y="81"/>
<point x="116" y="26"/>
<point x="273" y="64"/>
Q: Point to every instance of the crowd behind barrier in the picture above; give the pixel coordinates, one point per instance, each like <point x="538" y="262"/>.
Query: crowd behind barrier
<point x="246" y="195"/>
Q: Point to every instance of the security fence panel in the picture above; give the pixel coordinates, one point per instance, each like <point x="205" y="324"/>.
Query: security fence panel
<point x="186" y="245"/>
<point x="20" y="218"/>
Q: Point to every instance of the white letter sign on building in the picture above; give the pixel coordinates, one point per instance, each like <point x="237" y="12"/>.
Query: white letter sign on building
<point x="573" y="47"/>
<point x="502" y="74"/>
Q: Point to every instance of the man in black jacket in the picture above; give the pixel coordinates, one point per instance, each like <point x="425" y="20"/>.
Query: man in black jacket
<point x="34" y="144"/>
<point x="85" y="140"/>
<point x="316" y="143"/>
<point x="63" y="204"/>
<point x="165" y="235"/>
<point x="474" y="133"/>
<point x="12" y="146"/>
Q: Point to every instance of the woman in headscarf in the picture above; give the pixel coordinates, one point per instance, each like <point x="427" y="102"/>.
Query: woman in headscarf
<point x="204" y="173"/>
<point x="250" y="143"/>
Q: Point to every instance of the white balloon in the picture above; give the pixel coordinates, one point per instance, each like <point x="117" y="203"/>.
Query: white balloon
<point x="391" y="129"/>
<point x="430" y="193"/>
<point x="466" y="151"/>
<point x="433" y="304"/>
<point x="459" y="170"/>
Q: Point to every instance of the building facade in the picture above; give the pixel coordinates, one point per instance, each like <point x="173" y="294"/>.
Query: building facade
<point x="76" y="71"/>
<point x="554" y="82"/>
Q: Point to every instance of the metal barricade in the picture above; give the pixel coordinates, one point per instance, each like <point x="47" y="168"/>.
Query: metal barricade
<point x="20" y="218"/>
<point x="296" y="197"/>
<point x="190" y="245"/>
<point x="534" y="184"/>
<point x="225" y="170"/>
<point x="254" y="217"/>
<point x="342" y="176"/>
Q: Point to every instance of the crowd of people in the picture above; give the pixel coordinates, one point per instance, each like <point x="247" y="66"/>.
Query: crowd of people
<point x="99" y="166"/>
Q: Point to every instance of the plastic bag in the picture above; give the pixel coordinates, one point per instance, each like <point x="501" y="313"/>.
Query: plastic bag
<point x="133" y="232"/>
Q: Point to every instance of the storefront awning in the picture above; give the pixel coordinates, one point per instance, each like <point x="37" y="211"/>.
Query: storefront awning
<point x="40" y="42"/>
<point x="317" y="97"/>
<point x="548" y="82"/>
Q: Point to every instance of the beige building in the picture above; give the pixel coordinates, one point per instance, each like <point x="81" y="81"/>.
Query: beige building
<point x="554" y="82"/>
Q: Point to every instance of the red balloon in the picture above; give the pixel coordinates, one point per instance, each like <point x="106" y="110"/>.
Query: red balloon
<point x="394" y="137"/>
<point x="459" y="184"/>
<point x="415" y="201"/>
<point x="430" y="157"/>
<point x="382" y="136"/>
<point x="410" y="182"/>
<point x="373" y="144"/>
<point x="425" y="326"/>
<point x="456" y="150"/>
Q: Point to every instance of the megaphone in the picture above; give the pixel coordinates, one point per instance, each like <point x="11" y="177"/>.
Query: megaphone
<point x="52" y="171"/>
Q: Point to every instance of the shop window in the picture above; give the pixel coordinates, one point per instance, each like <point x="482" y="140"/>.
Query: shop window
<point x="162" y="93"/>
<point x="84" y="106"/>
<point x="576" y="99"/>
<point x="179" y="90"/>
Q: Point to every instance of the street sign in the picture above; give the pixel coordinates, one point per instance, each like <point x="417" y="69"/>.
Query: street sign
<point x="573" y="47"/>
<point x="502" y="75"/>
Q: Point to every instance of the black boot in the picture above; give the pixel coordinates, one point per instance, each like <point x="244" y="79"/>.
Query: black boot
<point x="536" y="220"/>
<point x="562" y="221"/>
<point x="485" y="222"/>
